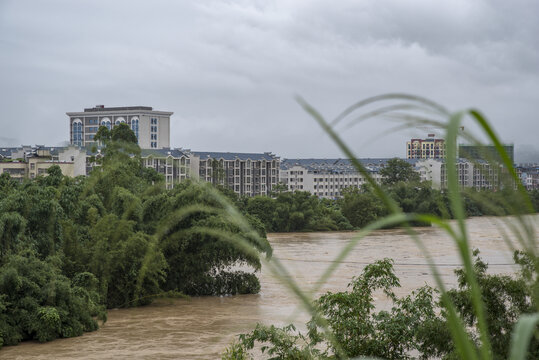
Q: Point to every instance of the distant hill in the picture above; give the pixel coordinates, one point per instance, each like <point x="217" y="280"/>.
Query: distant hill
<point x="526" y="154"/>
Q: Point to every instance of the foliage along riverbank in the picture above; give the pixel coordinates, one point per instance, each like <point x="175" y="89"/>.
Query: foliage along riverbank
<point x="301" y="211"/>
<point x="71" y="248"/>
<point x="413" y="324"/>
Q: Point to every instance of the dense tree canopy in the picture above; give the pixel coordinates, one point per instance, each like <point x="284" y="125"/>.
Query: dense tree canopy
<point x="102" y="135"/>
<point x="297" y="211"/>
<point x="415" y="325"/>
<point x="398" y="170"/>
<point x="122" y="132"/>
<point x="69" y="248"/>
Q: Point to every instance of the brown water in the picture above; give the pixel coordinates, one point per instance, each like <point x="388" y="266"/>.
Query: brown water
<point x="200" y="328"/>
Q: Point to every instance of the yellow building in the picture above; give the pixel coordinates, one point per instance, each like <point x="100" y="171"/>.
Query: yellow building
<point x="429" y="148"/>
<point x="30" y="162"/>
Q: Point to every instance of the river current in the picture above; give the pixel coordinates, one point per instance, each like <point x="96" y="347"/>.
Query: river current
<point x="200" y="328"/>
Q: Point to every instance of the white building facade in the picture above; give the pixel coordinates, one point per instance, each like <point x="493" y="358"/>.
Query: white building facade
<point x="326" y="178"/>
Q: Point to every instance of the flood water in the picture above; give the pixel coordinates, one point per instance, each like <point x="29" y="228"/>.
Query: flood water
<point x="200" y="328"/>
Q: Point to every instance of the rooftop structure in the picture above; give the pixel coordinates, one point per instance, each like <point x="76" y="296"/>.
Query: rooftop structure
<point x="337" y="165"/>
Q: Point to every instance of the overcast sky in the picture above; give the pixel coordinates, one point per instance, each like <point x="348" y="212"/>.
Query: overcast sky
<point x="229" y="70"/>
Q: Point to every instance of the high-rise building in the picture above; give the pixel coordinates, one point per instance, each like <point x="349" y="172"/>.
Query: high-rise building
<point x="151" y="127"/>
<point x="429" y="148"/>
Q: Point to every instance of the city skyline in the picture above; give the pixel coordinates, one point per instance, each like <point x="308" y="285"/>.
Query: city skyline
<point x="230" y="71"/>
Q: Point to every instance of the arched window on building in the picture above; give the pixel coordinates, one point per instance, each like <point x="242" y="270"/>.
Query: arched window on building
<point x="106" y="122"/>
<point x="77" y="132"/>
<point x="134" y="126"/>
<point x="119" y="121"/>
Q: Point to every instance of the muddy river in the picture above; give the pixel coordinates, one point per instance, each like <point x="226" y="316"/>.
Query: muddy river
<point x="200" y="328"/>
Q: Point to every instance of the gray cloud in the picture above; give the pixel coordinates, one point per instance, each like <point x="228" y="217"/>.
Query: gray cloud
<point x="230" y="70"/>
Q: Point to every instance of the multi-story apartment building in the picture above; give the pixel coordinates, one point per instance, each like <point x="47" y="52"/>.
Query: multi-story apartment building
<point x="480" y="175"/>
<point x="429" y="148"/>
<point x="326" y="178"/>
<point x="528" y="175"/>
<point x="174" y="164"/>
<point x="247" y="174"/>
<point x="430" y="170"/>
<point x="32" y="161"/>
<point x="151" y="127"/>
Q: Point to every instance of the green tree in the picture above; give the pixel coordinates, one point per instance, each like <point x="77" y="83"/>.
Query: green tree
<point x="360" y="207"/>
<point x="414" y="324"/>
<point x="122" y="132"/>
<point x="356" y="326"/>
<point x="54" y="176"/>
<point x="505" y="297"/>
<point x="38" y="302"/>
<point x="397" y="170"/>
<point x="12" y="229"/>
<point x="103" y="135"/>
<point x="200" y="248"/>
<point x="360" y="330"/>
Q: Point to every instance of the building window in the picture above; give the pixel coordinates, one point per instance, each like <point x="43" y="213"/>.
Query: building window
<point x="77" y="132"/>
<point x="106" y="122"/>
<point x="134" y="126"/>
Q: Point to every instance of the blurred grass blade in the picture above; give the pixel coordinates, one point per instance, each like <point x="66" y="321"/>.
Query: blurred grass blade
<point x="396" y="96"/>
<point x="463" y="343"/>
<point x="522" y="334"/>
<point x="457" y="206"/>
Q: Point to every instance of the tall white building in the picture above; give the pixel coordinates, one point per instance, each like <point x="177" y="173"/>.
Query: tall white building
<point x="151" y="127"/>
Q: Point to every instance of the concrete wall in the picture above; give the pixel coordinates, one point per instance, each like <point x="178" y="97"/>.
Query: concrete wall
<point x="75" y="155"/>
